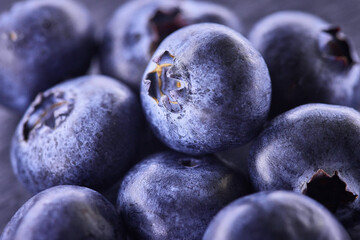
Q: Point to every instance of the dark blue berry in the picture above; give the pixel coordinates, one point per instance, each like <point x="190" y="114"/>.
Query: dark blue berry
<point x="309" y="61"/>
<point x="313" y="149"/>
<point x="273" y="216"/>
<point x="138" y="27"/>
<point x="82" y="132"/>
<point x="65" y="212"/>
<point x="174" y="196"/>
<point x="206" y="89"/>
<point x="41" y="44"/>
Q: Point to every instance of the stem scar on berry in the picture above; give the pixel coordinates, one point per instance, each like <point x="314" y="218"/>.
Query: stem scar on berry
<point x="162" y="87"/>
<point x="50" y="110"/>
<point x="13" y="36"/>
<point x="335" y="47"/>
<point x="163" y="23"/>
<point x="331" y="191"/>
<point x="189" y="163"/>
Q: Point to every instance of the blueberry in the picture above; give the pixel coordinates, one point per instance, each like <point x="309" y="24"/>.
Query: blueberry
<point x="170" y="195"/>
<point x="81" y="132"/>
<point x="313" y="149"/>
<point x="137" y="27"/>
<point x="41" y="44"/>
<point x="273" y="216"/>
<point x="206" y="90"/>
<point x="309" y="61"/>
<point x="65" y="212"/>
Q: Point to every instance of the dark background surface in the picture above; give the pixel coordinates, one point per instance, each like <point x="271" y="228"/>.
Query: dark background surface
<point x="344" y="13"/>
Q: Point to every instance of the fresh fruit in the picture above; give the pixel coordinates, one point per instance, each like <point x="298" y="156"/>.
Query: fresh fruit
<point x="81" y="132"/>
<point x="273" y="216"/>
<point x="206" y="90"/>
<point x="137" y="27"/>
<point x="313" y="149"/>
<point x="41" y="44"/>
<point x="309" y="61"/>
<point x="174" y="196"/>
<point x="65" y="212"/>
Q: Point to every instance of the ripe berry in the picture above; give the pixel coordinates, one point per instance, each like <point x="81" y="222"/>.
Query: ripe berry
<point x="206" y="90"/>
<point x="273" y="216"/>
<point x="81" y="132"/>
<point x="65" y="212"/>
<point x="41" y="44"/>
<point x="174" y="196"/>
<point x="309" y="61"/>
<point x="313" y="149"/>
<point x="137" y="28"/>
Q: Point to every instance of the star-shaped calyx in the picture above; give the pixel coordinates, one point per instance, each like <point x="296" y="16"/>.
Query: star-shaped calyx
<point x="50" y="110"/>
<point x="334" y="47"/>
<point x="331" y="191"/>
<point x="161" y="86"/>
<point x="163" y="23"/>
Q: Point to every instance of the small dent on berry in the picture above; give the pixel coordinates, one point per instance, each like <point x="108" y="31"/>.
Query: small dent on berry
<point x="136" y="37"/>
<point x="13" y="36"/>
<point x="50" y="110"/>
<point x="163" y="23"/>
<point x="163" y="87"/>
<point x="47" y="24"/>
<point x="189" y="163"/>
<point x="331" y="191"/>
<point x="334" y="46"/>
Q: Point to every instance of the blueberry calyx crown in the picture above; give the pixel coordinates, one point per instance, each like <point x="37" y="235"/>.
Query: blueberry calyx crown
<point x="329" y="190"/>
<point x="163" y="87"/>
<point x="50" y="110"/>
<point x="335" y="47"/>
<point x="163" y="23"/>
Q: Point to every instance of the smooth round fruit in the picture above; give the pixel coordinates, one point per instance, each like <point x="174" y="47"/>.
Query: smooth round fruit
<point x="41" y="44"/>
<point x="313" y="149"/>
<point x="309" y="61"/>
<point x="273" y="216"/>
<point x="206" y="90"/>
<point x="137" y="28"/>
<point x="170" y="195"/>
<point x="81" y="132"/>
<point x="65" y="212"/>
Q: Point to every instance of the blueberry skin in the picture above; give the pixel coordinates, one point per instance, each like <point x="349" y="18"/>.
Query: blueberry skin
<point x="309" y="60"/>
<point x="300" y="147"/>
<point x="206" y="90"/>
<point x="81" y="132"/>
<point x="65" y="212"/>
<point x="170" y="195"/>
<point x="41" y="44"/>
<point x="129" y="41"/>
<point x="275" y="215"/>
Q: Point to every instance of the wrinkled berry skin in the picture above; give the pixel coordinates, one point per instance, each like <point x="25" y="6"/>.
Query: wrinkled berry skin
<point x="81" y="132"/>
<point x="41" y="44"/>
<point x="206" y="90"/>
<point x="170" y="195"/>
<point x="309" y="61"/>
<point x="304" y="145"/>
<point x="129" y="41"/>
<point x="65" y="212"/>
<point x="275" y="215"/>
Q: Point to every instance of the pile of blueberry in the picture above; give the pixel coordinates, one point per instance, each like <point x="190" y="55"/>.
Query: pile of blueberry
<point x="136" y="153"/>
